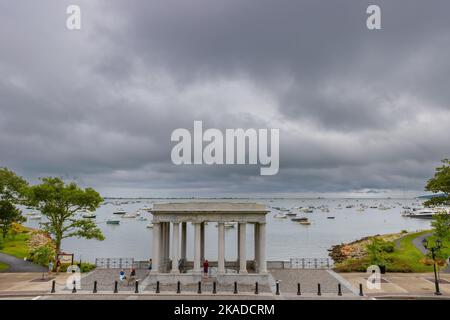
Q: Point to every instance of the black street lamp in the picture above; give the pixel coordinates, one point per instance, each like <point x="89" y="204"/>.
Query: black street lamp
<point x="433" y="250"/>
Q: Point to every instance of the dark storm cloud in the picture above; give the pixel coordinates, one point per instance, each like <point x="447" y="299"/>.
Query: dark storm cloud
<point x="357" y="109"/>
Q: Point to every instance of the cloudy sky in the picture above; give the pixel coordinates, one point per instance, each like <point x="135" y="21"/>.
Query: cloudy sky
<point x="360" y="112"/>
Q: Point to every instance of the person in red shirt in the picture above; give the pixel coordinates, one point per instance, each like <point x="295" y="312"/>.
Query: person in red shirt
<point x="58" y="266"/>
<point x="205" y="267"/>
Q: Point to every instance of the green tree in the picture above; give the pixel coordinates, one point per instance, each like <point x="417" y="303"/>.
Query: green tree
<point x="12" y="188"/>
<point x="441" y="226"/>
<point x="8" y="214"/>
<point x="60" y="203"/>
<point x="43" y="255"/>
<point x="440" y="183"/>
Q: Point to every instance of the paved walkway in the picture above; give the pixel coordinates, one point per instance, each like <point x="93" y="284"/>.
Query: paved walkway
<point x="28" y="282"/>
<point x="417" y="241"/>
<point x="419" y="245"/>
<point x="309" y="280"/>
<point x="106" y="278"/>
<point x="19" y="265"/>
<point x="401" y="284"/>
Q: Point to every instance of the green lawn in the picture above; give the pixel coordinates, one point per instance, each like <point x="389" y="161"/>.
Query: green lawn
<point x="16" y="245"/>
<point x="408" y="255"/>
<point x="3" y="266"/>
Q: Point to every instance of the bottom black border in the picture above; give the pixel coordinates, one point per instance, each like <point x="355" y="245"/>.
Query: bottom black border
<point x="271" y="309"/>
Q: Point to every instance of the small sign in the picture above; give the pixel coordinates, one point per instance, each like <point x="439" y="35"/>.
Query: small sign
<point x="65" y="258"/>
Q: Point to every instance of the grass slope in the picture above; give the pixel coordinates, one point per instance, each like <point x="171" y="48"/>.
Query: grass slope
<point x="408" y="255"/>
<point x="16" y="245"/>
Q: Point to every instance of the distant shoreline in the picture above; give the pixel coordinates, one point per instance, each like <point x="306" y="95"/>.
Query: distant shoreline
<point x="262" y="198"/>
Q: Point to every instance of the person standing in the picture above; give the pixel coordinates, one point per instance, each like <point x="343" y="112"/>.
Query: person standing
<point x="205" y="267"/>
<point x="58" y="266"/>
<point x="122" y="275"/>
<point x="50" y="267"/>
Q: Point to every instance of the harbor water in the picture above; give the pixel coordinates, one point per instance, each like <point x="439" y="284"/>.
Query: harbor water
<point x="286" y="239"/>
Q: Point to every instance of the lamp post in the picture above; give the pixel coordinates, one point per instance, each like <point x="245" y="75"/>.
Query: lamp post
<point x="433" y="250"/>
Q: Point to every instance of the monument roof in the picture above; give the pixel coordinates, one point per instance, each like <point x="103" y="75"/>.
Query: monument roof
<point x="212" y="207"/>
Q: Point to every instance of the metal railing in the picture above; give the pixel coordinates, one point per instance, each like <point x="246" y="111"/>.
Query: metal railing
<point x="311" y="263"/>
<point x="114" y="263"/>
<point x="293" y="263"/>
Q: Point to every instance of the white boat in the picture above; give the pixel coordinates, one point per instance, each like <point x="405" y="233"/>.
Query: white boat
<point x="35" y="216"/>
<point x="425" y="213"/>
<point x="150" y="225"/>
<point x="141" y="218"/>
<point x="89" y="215"/>
<point x="229" y="225"/>
<point x="129" y="215"/>
<point x="280" y="216"/>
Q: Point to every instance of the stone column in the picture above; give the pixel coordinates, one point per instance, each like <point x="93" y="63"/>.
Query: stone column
<point x="156" y="247"/>
<point x="162" y="245"/>
<point x="221" y="251"/>
<point x="256" y="247"/>
<point x="197" y="266"/>
<point x="262" y="248"/>
<point x="175" y="247"/>
<point x="202" y="242"/>
<point x="183" y="240"/>
<point x="242" y="248"/>
<point x="167" y="241"/>
<point x="238" y="241"/>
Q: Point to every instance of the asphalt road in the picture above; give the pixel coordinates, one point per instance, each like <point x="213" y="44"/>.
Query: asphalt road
<point x="19" y="265"/>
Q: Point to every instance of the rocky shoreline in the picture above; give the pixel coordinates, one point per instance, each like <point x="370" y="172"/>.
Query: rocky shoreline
<point x="357" y="249"/>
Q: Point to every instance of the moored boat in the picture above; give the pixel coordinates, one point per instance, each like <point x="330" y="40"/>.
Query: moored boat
<point x="129" y="215"/>
<point x="299" y="219"/>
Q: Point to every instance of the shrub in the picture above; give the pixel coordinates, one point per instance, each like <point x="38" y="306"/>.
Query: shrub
<point x="43" y="255"/>
<point x="353" y="265"/>
<point x="387" y="247"/>
<point x="375" y="252"/>
<point x="85" y="267"/>
<point x="18" y="228"/>
<point x="397" y="266"/>
<point x="40" y="239"/>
